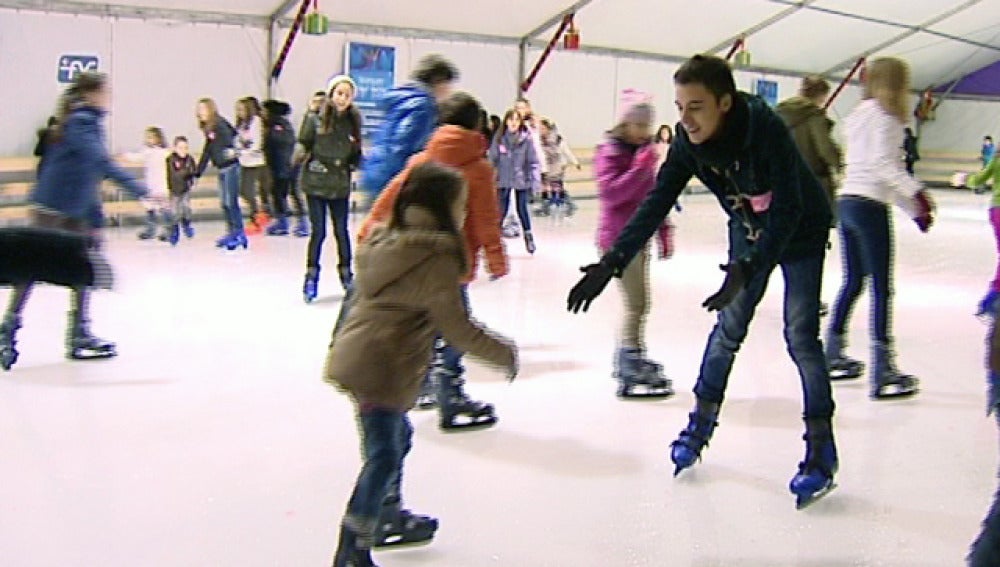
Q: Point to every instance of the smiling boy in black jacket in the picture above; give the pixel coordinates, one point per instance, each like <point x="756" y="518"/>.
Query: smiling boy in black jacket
<point x="778" y="216"/>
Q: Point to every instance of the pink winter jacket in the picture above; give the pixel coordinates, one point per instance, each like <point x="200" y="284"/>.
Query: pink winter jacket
<point x="624" y="178"/>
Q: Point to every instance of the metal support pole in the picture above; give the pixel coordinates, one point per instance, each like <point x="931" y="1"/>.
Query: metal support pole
<point x="522" y="56"/>
<point x="847" y="79"/>
<point x="526" y="84"/>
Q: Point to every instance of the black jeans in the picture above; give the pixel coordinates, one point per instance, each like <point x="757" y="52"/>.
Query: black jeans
<point x="279" y="196"/>
<point x="866" y="248"/>
<point x="338" y="210"/>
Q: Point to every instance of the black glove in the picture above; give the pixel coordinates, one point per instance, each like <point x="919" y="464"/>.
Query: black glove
<point x="737" y="275"/>
<point x="589" y="287"/>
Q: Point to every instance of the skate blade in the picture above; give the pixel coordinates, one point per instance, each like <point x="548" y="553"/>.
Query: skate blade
<point x="648" y="395"/>
<point x="802" y="501"/>
<point x="399" y="543"/>
<point x="895" y="395"/>
<point x="473" y="425"/>
<point x="92" y="355"/>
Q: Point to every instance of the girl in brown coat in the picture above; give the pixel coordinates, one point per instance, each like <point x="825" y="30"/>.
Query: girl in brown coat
<point x="406" y="293"/>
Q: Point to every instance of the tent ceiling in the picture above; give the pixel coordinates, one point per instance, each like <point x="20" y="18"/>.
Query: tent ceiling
<point x="814" y="37"/>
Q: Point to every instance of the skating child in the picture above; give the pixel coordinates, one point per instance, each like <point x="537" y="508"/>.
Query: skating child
<point x="518" y="170"/>
<point x="625" y="166"/>
<point x="153" y="157"/>
<point x="68" y="197"/>
<point x="874" y="179"/>
<point x="742" y="152"/>
<point x="987" y="151"/>
<point x="332" y="145"/>
<point x="990" y="172"/>
<point x="181" y="173"/>
<point x="455" y="144"/>
<point x="411" y="117"/>
<point x="985" y="550"/>
<point x="279" y="147"/>
<point x="220" y="140"/>
<point x="253" y="168"/>
<point x="405" y="294"/>
<point x="558" y="156"/>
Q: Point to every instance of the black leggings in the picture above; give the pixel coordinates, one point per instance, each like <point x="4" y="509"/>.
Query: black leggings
<point x="522" y="205"/>
<point x="338" y="210"/>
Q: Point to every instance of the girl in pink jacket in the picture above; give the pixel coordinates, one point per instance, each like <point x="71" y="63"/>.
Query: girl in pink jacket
<point x="625" y="165"/>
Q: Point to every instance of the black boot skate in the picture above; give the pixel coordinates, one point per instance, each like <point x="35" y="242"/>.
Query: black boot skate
<point x="456" y="410"/>
<point x="82" y="345"/>
<point x="350" y="553"/>
<point x="639" y="378"/>
<point x="427" y="399"/>
<point x="842" y="367"/>
<point x="399" y="527"/>
<point x="887" y="382"/>
<point x="8" y="341"/>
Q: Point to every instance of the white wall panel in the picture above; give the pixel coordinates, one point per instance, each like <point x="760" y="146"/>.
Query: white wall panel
<point x="578" y="91"/>
<point x="30" y="47"/>
<point x="160" y="71"/>
<point x="960" y="126"/>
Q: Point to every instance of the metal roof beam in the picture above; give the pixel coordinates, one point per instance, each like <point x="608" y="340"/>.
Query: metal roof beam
<point x="283" y="9"/>
<point x="795" y="7"/>
<point x="884" y="22"/>
<point x="136" y="12"/>
<point x="412" y="33"/>
<point x="898" y="38"/>
<point x="537" y="30"/>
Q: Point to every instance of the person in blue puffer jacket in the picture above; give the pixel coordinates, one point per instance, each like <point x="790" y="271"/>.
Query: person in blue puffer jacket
<point x="410" y="119"/>
<point x="68" y="198"/>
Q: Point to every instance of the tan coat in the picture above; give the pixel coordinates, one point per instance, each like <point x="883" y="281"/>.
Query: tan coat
<point x="406" y="292"/>
<point x="811" y="130"/>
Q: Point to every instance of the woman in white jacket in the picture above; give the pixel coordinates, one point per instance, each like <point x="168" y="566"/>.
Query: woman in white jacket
<point x="874" y="179"/>
<point x="253" y="173"/>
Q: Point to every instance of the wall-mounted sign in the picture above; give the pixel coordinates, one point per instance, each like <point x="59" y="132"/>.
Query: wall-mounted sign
<point x="767" y="90"/>
<point x="373" y="68"/>
<point x="72" y="65"/>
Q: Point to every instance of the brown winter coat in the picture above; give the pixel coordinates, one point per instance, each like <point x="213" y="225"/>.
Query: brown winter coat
<point x="811" y="130"/>
<point x="461" y="149"/>
<point x="406" y="292"/>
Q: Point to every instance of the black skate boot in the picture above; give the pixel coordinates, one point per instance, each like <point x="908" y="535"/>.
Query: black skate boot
<point x="346" y="277"/>
<point x="639" y="378"/>
<point x="82" y="345"/>
<point x="886" y="381"/>
<point x="399" y="527"/>
<point x="529" y="242"/>
<point x="815" y="477"/>
<point x="686" y="450"/>
<point x="841" y="366"/>
<point x="8" y="341"/>
<point x="456" y="410"/>
<point x="427" y="399"/>
<point x="352" y="551"/>
<point x="149" y="230"/>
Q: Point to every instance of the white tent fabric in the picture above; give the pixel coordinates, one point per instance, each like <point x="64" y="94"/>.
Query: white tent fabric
<point x="942" y="39"/>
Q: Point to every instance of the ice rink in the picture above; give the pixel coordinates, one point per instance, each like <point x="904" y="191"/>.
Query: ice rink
<point x="212" y="441"/>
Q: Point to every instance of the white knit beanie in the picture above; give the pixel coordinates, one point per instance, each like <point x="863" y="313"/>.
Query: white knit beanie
<point x="332" y="83"/>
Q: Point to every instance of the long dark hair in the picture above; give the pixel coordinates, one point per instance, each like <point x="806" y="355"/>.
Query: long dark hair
<point x="74" y="97"/>
<point x="503" y="124"/>
<point x="434" y="188"/>
<point x="660" y="139"/>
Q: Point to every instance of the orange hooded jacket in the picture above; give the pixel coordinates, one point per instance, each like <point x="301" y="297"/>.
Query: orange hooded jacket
<point x="461" y="149"/>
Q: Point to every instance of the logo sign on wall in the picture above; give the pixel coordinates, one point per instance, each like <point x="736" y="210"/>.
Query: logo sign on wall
<point x="373" y="69"/>
<point x="767" y="90"/>
<point x="72" y="65"/>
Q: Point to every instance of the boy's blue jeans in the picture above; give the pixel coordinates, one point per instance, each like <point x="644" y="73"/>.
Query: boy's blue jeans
<point x="801" y="316"/>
